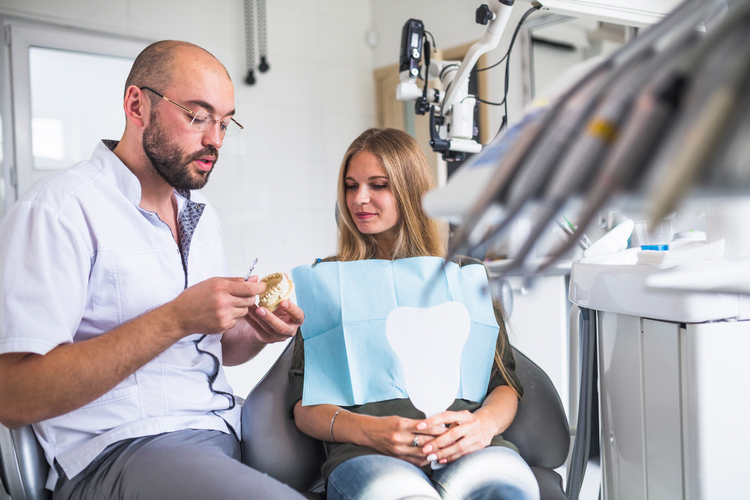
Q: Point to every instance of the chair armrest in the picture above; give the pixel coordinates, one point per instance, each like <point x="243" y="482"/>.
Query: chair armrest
<point x="24" y="466"/>
<point x="271" y="442"/>
<point x="540" y="430"/>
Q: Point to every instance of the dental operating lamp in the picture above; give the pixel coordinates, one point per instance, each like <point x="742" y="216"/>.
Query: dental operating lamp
<point x="451" y="111"/>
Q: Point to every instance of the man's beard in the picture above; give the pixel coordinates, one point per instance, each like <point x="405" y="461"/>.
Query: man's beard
<point x="171" y="162"/>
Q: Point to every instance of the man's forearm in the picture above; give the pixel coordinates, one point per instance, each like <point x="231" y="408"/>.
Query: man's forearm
<point x="34" y="387"/>
<point x="37" y="387"/>
<point x="240" y="344"/>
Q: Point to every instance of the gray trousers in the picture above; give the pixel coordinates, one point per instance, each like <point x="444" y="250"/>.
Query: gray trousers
<point x="188" y="464"/>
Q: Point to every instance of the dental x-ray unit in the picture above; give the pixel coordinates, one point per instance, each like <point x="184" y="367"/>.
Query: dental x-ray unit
<point x="452" y="110"/>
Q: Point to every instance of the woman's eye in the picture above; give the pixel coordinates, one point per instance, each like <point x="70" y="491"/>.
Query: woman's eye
<point x="380" y="186"/>
<point x="349" y="187"/>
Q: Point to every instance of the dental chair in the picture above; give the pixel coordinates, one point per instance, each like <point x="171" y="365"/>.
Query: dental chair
<point x="23" y="468"/>
<point x="271" y="442"/>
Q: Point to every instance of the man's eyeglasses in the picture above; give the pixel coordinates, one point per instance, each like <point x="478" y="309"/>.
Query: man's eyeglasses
<point x="205" y="121"/>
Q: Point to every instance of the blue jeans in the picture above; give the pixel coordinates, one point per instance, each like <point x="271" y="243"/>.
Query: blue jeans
<point x="493" y="473"/>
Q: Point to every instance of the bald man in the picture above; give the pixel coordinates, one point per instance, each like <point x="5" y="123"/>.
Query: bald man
<point x="117" y="314"/>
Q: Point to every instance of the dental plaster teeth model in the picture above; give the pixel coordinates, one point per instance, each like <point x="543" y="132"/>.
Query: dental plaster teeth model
<point x="278" y="288"/>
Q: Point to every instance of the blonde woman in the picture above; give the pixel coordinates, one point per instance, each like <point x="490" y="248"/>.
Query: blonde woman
<point x="381" y="450"/>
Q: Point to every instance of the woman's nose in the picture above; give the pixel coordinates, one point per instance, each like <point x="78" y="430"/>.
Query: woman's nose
<point x="362" y="197"/>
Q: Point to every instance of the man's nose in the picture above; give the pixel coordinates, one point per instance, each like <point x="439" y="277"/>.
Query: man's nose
<point x="214" y="136"/>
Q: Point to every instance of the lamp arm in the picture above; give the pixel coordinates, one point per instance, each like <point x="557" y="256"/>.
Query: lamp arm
<point x="502" y="10"/>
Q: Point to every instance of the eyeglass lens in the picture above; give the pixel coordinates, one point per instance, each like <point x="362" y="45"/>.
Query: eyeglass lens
<point x="205" y="121"/>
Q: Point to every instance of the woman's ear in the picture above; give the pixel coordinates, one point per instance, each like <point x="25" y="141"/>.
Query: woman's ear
<point x="137" y="106"/>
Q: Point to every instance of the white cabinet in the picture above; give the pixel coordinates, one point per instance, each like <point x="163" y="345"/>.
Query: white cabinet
<point x="715" y="378"/>
<point x="673" y="381"/>
<point x="673" y="408"/>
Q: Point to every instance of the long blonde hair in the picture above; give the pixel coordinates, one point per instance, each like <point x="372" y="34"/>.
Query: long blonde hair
<point x="410" y="178"/>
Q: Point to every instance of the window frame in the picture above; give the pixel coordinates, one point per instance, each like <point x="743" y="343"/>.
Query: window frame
<point x="15" y="91"/>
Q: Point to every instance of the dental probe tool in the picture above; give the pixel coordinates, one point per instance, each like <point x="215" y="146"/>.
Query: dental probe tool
<point x="685" y="12"/>
<point x="536" y="171"/>
<point x="654" y="112"/>
<point x="569" y="230"/>
<point x="652" y="115"/>
<point x="567" y="159"/>
<point x="581" y="159"/>
<point x="252" y="266"/>
<point x="585" y="239"/>
<point x="705" y="122"/>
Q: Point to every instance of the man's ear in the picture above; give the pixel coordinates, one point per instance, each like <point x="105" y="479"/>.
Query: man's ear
<point x="137" y="106"/>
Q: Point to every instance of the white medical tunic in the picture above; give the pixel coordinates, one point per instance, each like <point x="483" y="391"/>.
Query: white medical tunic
<point x="78" y="258"/>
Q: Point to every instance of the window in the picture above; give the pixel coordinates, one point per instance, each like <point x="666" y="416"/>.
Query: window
<point x="60" y="93"/>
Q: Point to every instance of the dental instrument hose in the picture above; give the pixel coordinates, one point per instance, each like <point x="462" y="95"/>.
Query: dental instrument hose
<point x="582" y="444"/>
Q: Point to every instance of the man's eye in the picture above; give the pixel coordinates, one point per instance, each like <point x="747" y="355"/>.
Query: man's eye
<point x="200" y="119"/>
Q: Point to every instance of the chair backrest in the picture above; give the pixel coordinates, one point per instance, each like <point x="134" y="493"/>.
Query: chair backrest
<point x="24" y="467"/>
<point x="540" y="430"/>
<point x="273" y="444"/>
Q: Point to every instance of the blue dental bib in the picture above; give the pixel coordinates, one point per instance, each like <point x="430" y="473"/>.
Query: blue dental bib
<point x="348" y="360"/>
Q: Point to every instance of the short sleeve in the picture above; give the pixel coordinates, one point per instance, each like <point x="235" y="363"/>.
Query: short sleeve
<point x="44" y="269"/>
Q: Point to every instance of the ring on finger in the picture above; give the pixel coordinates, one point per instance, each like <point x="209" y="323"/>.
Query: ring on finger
<point x="415" y="441"/>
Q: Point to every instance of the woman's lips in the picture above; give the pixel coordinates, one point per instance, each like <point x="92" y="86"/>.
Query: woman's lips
<point x="364" y="215"/>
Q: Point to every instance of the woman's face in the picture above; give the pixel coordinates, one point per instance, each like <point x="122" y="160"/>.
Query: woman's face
<point x="369" y="197"/>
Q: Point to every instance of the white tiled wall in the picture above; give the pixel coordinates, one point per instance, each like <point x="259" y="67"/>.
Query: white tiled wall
<point x="274" y="185"/>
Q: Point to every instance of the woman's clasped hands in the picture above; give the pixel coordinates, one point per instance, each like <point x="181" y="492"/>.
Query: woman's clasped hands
<point x="444" y="437"/>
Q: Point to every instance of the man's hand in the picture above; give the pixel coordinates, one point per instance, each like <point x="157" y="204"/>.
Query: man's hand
<point x="39" y="386"/>
<point x="277" y="326"/>
<point x="215" y="305"/>
<point x="261" y="327"/>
